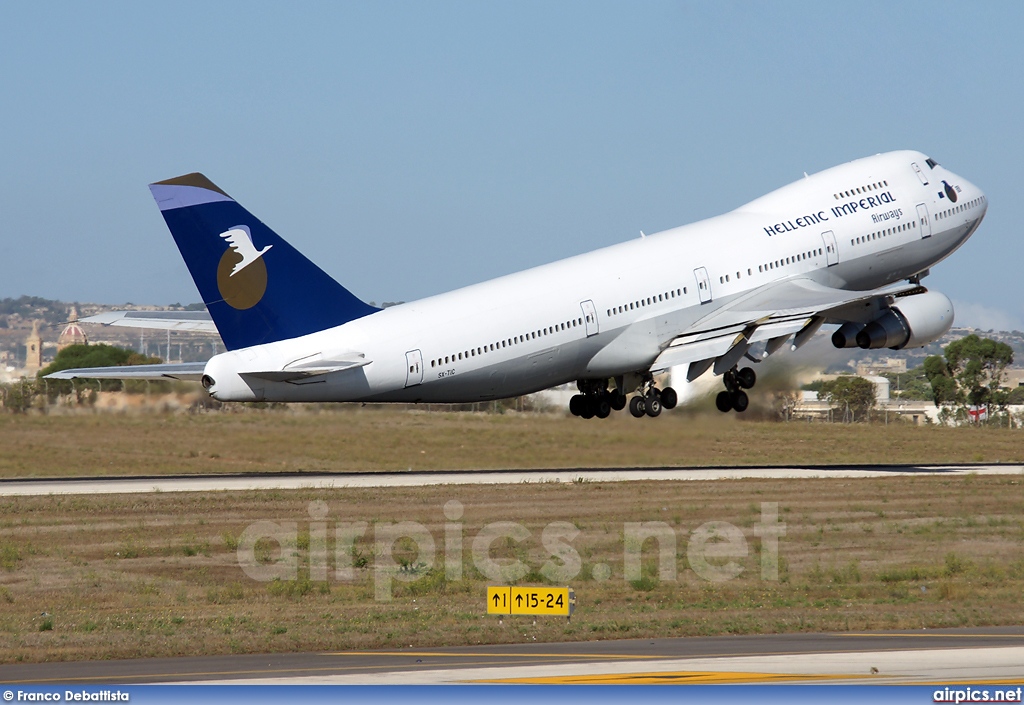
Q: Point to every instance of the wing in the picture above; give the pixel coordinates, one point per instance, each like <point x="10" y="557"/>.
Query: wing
<point x="188" y="371"/>
<point x="770" y="314"/>
<point x="165" y="320"/>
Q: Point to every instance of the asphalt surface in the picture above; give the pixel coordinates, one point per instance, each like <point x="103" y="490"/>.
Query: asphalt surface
<point x="619" y="656"/>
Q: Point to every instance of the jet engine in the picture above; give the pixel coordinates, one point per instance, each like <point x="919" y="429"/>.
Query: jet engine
<point x="911" y="322"/>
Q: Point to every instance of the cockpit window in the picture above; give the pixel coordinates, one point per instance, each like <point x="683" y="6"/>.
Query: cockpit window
<point x="931" y="163"/>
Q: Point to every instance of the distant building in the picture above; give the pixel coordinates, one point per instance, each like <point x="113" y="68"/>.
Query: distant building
<point x="33" y="351"/>
<point x="72" y="333"/>
<point x="893" y="364"/>
<point x="1014" y="377"/>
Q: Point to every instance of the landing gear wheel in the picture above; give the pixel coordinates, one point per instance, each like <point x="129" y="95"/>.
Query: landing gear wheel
<point x="740" y="401"/>
<point x="576" y="404"/>
<point x="724" y="402"/>
<point x="618" y="401"/>
<point x="652" y="404"/>
<point x="602" y="407"/>
<point x="746" y="378"/>
<point x="669" y="398"/>
<point x="637" y="407"/>
<point x="588" y="408"/>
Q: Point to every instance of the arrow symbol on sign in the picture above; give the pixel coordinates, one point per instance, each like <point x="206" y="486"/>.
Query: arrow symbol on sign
<point x="519" y="600"/>
<point x="497" y="600"/>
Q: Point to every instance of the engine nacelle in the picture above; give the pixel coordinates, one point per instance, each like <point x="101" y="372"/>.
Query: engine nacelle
<point x="911" y="322"/>
<point x="846" y="336"/>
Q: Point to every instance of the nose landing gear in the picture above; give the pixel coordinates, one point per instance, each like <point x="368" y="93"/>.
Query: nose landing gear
<point x="734" y="398"/>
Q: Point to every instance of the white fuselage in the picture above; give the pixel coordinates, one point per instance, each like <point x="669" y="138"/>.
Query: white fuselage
<point x="611" y="312"/>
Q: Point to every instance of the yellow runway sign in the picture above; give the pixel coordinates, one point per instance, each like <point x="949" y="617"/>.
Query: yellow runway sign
<point x="531" y="600"/>
<point x="499" y="600"/>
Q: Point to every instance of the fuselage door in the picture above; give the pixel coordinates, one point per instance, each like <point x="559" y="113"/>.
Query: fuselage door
<point x="413" y="368"/>
<point x="828" y="238"/>
<point x="590" y="317"/>
<point x="703" y="284"/>
<point x="923" y="221"/>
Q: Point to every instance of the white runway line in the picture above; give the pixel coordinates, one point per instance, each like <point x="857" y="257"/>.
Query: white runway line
<point x="27" y="488"/>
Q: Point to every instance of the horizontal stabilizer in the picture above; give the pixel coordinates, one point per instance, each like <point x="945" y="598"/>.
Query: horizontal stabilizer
<point x="188" y="371"/>
<point x="199" y="321"/>
<point x="303" y="371"/>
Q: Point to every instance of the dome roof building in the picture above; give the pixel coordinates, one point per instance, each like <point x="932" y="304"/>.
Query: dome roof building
<point x="72" y="333"/>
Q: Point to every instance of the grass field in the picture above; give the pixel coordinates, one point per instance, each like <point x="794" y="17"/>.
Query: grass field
<point x="158" y="575"/>
<point x="367" y="439"/>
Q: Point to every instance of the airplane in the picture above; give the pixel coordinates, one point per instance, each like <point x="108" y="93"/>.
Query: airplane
<point x="847" y="246"/>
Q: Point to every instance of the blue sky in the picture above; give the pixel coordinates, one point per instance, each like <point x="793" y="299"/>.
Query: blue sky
<point x="411" y="148"/>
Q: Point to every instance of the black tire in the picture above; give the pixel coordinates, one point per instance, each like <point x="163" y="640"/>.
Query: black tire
<point x="652" y="404"/>
<point x="740" y="401"/>
<point x="747" y="378"/>
<point x="576" y="404"/>
<point x="637" y="407"/>
<point x="589" y="408"/>
<point x="602" y="407"/>
<point x="669" y="398"/>
<point x="618" y="401"/>
<point x="724" y="402"/>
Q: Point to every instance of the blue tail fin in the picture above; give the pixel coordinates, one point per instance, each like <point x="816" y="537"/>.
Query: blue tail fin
<point x="257" y="287"/>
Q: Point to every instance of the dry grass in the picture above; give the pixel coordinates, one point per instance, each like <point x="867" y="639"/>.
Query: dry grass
<point x="368" y="439"/>
<point x="157" y="575"/>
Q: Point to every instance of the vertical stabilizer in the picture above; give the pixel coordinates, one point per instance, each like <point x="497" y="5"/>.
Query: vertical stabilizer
<point x="257" y="287"/>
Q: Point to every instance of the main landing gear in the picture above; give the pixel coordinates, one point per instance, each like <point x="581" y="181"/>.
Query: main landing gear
<point x="650" y="401"/>
<point x="734" y="398"/>
<point x="595" y="399"/>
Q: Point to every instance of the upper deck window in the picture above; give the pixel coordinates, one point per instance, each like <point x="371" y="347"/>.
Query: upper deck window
<point x="931" y="163"/>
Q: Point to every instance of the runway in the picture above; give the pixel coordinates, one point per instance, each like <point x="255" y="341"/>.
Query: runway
<point x="295" y="481"/>
<point x="992" y="655"/>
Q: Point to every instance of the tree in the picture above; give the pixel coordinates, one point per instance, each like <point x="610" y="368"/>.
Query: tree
<point x="1016" y="396"/>
<point x="970" y="373"/>
<point x="912" y="384"/>
<point x="18" y="396"/>
<point x="847" y="392"/>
